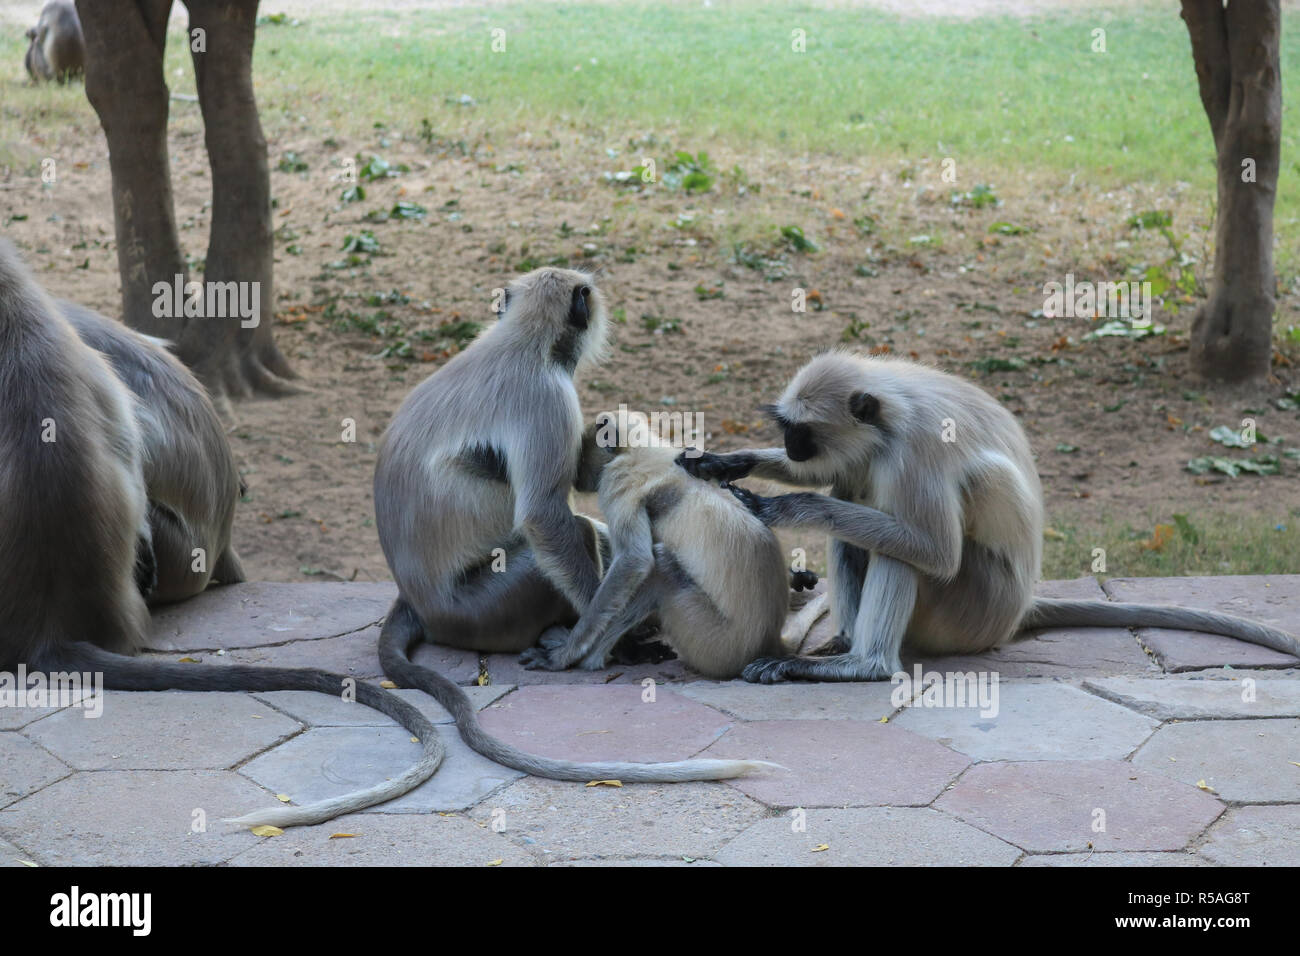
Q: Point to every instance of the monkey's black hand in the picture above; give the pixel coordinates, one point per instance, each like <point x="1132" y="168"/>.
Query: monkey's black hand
<point x="802" y="580"/>
<point x="713" y="467"/>
<point x="758" y="506"/>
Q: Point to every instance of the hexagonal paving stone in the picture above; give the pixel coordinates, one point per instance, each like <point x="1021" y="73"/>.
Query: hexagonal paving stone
<point x="1034" y="721"/>
<point x="25" y="768"/>
<point x="794" y="701"/>
<point x="324" y="710"/>
<point x="173" y="730"/>
<point x="331" y="761"/>
<point x="877" y="836"/>
<point x="1195" y="699"/>
<point x="388" y="840"/>
<point x="837" y="763"/>
<point x="1243" y="760"/>
<point x="1272" y="599"/>
<point x="611" y="722"/>
<point x="257" y="613"/>
<point x="1176" y="858"/>
<point x="16" y="717"/>
<point x="567" y="820"/>
<point x="1060" y="652"/>
<point x="635" y="861"/>
<point x="134" y="818"/>
<point x="1049" y="806"/>
<point x="1255" y="836"/>
<point x="506" y="669"/>
<point x="353" y="655"/>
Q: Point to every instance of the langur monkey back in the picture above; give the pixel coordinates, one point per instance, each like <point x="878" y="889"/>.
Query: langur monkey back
<point x="76" y="547"/>
<point x="935" y="518"/>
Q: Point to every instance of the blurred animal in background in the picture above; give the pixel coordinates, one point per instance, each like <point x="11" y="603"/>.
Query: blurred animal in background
<point x="56" y="50"/>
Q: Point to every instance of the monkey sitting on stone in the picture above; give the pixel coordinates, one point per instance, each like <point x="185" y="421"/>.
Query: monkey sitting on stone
<point x="935" y="518"/>
<point x="190" y="477"/>
<point x="56" y="50"/>
<point x="472" y="503"/>
<point x="76" y="547"/>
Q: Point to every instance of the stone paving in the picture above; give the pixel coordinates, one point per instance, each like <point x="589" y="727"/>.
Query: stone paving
<point x="1101" y="747"/>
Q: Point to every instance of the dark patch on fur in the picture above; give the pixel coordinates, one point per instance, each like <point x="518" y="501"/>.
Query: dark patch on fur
<point x="661" y="501"/>
<point x="486" y="462"/>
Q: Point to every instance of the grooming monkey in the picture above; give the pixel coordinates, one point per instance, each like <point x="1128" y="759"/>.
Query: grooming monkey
<point x="75" y="542"/>
<point x="472" y="505"/>
<point x="190" y="477"/>
<point x="935" y="515"/>
<point x="57" y="50"/>
<point x="683" y="551"/>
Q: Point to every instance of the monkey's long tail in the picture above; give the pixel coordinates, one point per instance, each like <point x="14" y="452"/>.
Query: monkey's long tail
<point x="127" y="673"/>
<point x="403" y="629"/>
<point x="1048" y="612"/>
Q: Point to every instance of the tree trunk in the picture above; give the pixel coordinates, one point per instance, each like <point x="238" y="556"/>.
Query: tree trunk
<point x="125" y="85"/>
<point x="240" y="242"/>
<point x="1235" y="49"/>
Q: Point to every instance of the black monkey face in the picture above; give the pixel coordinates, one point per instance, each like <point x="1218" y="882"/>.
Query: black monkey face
<point x="800" y="444"/>
<point x="579" y="311"/>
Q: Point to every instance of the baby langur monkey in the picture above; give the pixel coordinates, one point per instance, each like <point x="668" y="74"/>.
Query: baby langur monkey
<point x="935" y="515"/>
<point x="472" y="505"/>
<point x="190" y="476"/>
<point x="56" y="49"/>
<point x="75" y="539"/>
<point x="684" y="551"/>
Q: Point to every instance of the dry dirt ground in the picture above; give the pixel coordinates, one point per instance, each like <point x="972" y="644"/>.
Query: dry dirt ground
<point x="362" y="333"/>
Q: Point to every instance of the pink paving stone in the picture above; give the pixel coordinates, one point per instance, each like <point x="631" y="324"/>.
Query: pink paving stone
<point x="1062" y="652"/>
<point x="352" y="655"/>
<point x="1050" y="806"/>
<point x="839" y="763"/>
<point x="609" y="722"/>
<point x="506" y="669"/>
<point x="263" y="612"/>
<point x="1272" y="599"/>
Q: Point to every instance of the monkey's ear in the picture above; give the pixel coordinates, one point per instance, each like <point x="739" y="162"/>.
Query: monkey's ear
<point x="864" y="406"/>
<point x="578" y="312"/>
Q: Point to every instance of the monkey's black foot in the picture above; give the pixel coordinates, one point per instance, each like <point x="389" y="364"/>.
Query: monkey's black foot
<point x="802" y="580"/>
<point x="550" y="654"/>
<point x="711" y="467"/>
<point x="639" y="646"/>
<point x="842" y="667"/>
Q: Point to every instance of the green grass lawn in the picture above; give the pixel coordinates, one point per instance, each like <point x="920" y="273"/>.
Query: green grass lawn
<point x="994" y="92"/>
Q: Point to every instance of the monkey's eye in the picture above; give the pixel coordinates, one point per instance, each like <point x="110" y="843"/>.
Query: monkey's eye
<point x="585" y="291"/>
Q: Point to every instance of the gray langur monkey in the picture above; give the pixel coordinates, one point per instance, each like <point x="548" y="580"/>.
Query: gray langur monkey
<point x="57" y="49"/>
<point x="935" y="515"/>
<point x="75" y="541"/>
<point x="190" y="477"/>
<point x="685" y="552"/>
<point x="472" y="505"/>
